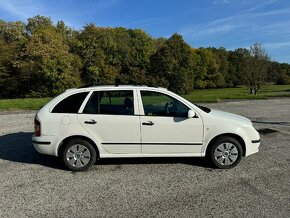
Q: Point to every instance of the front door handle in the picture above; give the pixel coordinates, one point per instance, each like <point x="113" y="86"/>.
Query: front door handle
<point x="90" y="122"/>
<point x="149" y="123"/>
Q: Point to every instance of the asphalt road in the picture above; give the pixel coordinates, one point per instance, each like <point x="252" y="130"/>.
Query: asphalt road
<point x="34" y="185"/>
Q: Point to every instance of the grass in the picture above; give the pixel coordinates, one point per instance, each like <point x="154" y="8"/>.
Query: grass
<point x="216" y="95"/>
<point x="23" y="103"/>
<point x="207" y="95"/>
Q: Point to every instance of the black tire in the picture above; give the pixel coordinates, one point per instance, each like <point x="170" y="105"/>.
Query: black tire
<point x="78" y="155"/>
<point x="225" y="152"/>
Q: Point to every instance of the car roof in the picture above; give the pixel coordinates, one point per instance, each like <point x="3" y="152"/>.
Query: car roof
<point x="116" y="87"/>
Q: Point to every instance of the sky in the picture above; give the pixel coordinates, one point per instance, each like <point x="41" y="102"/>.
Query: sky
<point x="202" y="23"/>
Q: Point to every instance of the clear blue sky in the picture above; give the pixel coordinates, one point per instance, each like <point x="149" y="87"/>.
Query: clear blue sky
<point x="202" y="23"/>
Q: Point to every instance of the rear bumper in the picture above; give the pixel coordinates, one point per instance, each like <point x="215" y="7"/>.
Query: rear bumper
<point x="45" y="144"/>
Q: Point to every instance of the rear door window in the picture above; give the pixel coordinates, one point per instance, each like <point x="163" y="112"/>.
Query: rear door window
<point x="110" y="102"/>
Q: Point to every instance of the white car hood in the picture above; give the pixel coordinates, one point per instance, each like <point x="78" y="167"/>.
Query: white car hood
<point x="230" y="116"/>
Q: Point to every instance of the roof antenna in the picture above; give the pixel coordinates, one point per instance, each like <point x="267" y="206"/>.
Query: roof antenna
<point x="117" y="82"/>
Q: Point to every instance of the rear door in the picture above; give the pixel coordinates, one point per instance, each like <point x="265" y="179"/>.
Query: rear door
<point x="109" y="116"/>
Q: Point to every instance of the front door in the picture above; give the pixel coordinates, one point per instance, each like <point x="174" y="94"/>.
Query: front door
<point x="109" y="117"/>
<point x="165" y="127"/>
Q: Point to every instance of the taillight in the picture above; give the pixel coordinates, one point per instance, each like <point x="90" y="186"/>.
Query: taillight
<point x="37" y="131"/>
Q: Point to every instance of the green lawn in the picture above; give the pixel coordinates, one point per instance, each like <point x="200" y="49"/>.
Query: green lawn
<point x="216" y="95"/>
<point x="23" y="103"/>
<point x="208" y="95"/>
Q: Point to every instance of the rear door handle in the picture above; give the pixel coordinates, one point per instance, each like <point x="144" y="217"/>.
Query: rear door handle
<point x="149" y="123"/>
<point x="90" y="122"/>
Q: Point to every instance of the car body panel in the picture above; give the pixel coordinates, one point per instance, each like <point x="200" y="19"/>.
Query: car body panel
<point x="117" y="135"/>
<point x="125" y="136"/>
<point x="171" y="135"/>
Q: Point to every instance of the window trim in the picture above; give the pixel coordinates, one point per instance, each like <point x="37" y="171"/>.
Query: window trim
<point x="85" y="102"/>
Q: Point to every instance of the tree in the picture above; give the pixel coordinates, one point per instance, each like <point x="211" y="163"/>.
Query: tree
<point x="45" y="66"/>
<point x="12" y="39"/>
<point x="257" y="67"/>
<point x="38" y="22"/>
<point x="237" y="65"/>
<point x="207" y="71"/>
<point x="8" y="77"/>
<point x="42" y="58"/>
<point x="172" y="65"/>
<point x="283" y="74"/>
<point x="136" y="62"/>
<point x="13" y="31"/>
<point x="225" y="79"/>
<point x="111" y="54"/>
<point x="99" y="51"/>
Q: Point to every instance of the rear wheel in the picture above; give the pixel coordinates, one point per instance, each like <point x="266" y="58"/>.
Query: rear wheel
<point x="225" y="152"/>
<point x="78" y="155"/>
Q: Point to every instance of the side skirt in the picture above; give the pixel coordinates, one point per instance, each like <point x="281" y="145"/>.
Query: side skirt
<point x="150" y="155"/>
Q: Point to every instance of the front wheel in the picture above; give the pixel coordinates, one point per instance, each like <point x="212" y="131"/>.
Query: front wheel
<point x="78" y="155"/>
<point x="225" y="152"/>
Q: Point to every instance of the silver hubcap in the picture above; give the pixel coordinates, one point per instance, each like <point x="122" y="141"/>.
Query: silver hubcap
<point x="226" y="153"/>
<point x="78" y="155"/>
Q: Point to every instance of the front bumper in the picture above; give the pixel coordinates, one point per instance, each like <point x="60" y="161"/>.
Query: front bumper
<point x="253" y="147"/>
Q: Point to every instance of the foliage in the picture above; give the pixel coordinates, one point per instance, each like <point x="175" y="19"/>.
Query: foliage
<point x="173" y="64"/>
<point x="12" y="39"/>
<point x="257" y="67"/>
<point x="111" y="54"/>
<point x="45" y="65"/>
<point x="41" y="58"/>
<point x="38" y="22"/>
<point x="207" y="70"/>
<point x="237" y="65"/>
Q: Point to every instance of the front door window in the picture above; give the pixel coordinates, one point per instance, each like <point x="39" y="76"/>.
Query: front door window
<point x="158" y="104"/>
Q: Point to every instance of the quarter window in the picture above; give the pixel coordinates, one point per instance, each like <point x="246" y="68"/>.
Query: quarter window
<point x="158" y="104"/>
<point x="110" y="102"/>
<point x="71" y="104"/>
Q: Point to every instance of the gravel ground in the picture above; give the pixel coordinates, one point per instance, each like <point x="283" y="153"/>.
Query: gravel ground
<point x="34" y="185"/>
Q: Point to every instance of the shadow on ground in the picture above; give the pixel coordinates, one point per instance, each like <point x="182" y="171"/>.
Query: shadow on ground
<point x="17" y="147"/>
<point x="271" y="122"/>
<point x="194" y="161"/>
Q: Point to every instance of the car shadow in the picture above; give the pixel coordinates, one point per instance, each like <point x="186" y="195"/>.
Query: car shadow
<point x="194" y="161"/>
<point x="17" y="147"/>
<point x="282" y="123"/>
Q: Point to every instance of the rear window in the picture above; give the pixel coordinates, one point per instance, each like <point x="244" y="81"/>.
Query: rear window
<point x="71" y="104"/>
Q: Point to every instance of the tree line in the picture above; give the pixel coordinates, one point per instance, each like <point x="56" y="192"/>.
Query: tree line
<point x="39" y="58"/>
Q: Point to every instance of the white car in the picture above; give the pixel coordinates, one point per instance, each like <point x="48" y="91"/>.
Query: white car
<point x="82" y="125"/>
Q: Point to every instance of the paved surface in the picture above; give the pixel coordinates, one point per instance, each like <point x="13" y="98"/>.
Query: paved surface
<point x="33" y="185"/>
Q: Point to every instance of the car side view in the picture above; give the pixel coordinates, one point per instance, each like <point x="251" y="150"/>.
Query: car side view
<point x="84" y="124"/>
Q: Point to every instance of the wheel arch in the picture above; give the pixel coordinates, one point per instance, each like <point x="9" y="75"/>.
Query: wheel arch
<point x="232" y="135"/>
<point x="64" y="141"/>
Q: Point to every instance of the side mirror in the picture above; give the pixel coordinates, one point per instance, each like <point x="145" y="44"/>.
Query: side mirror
<point x="191" y="114"/>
